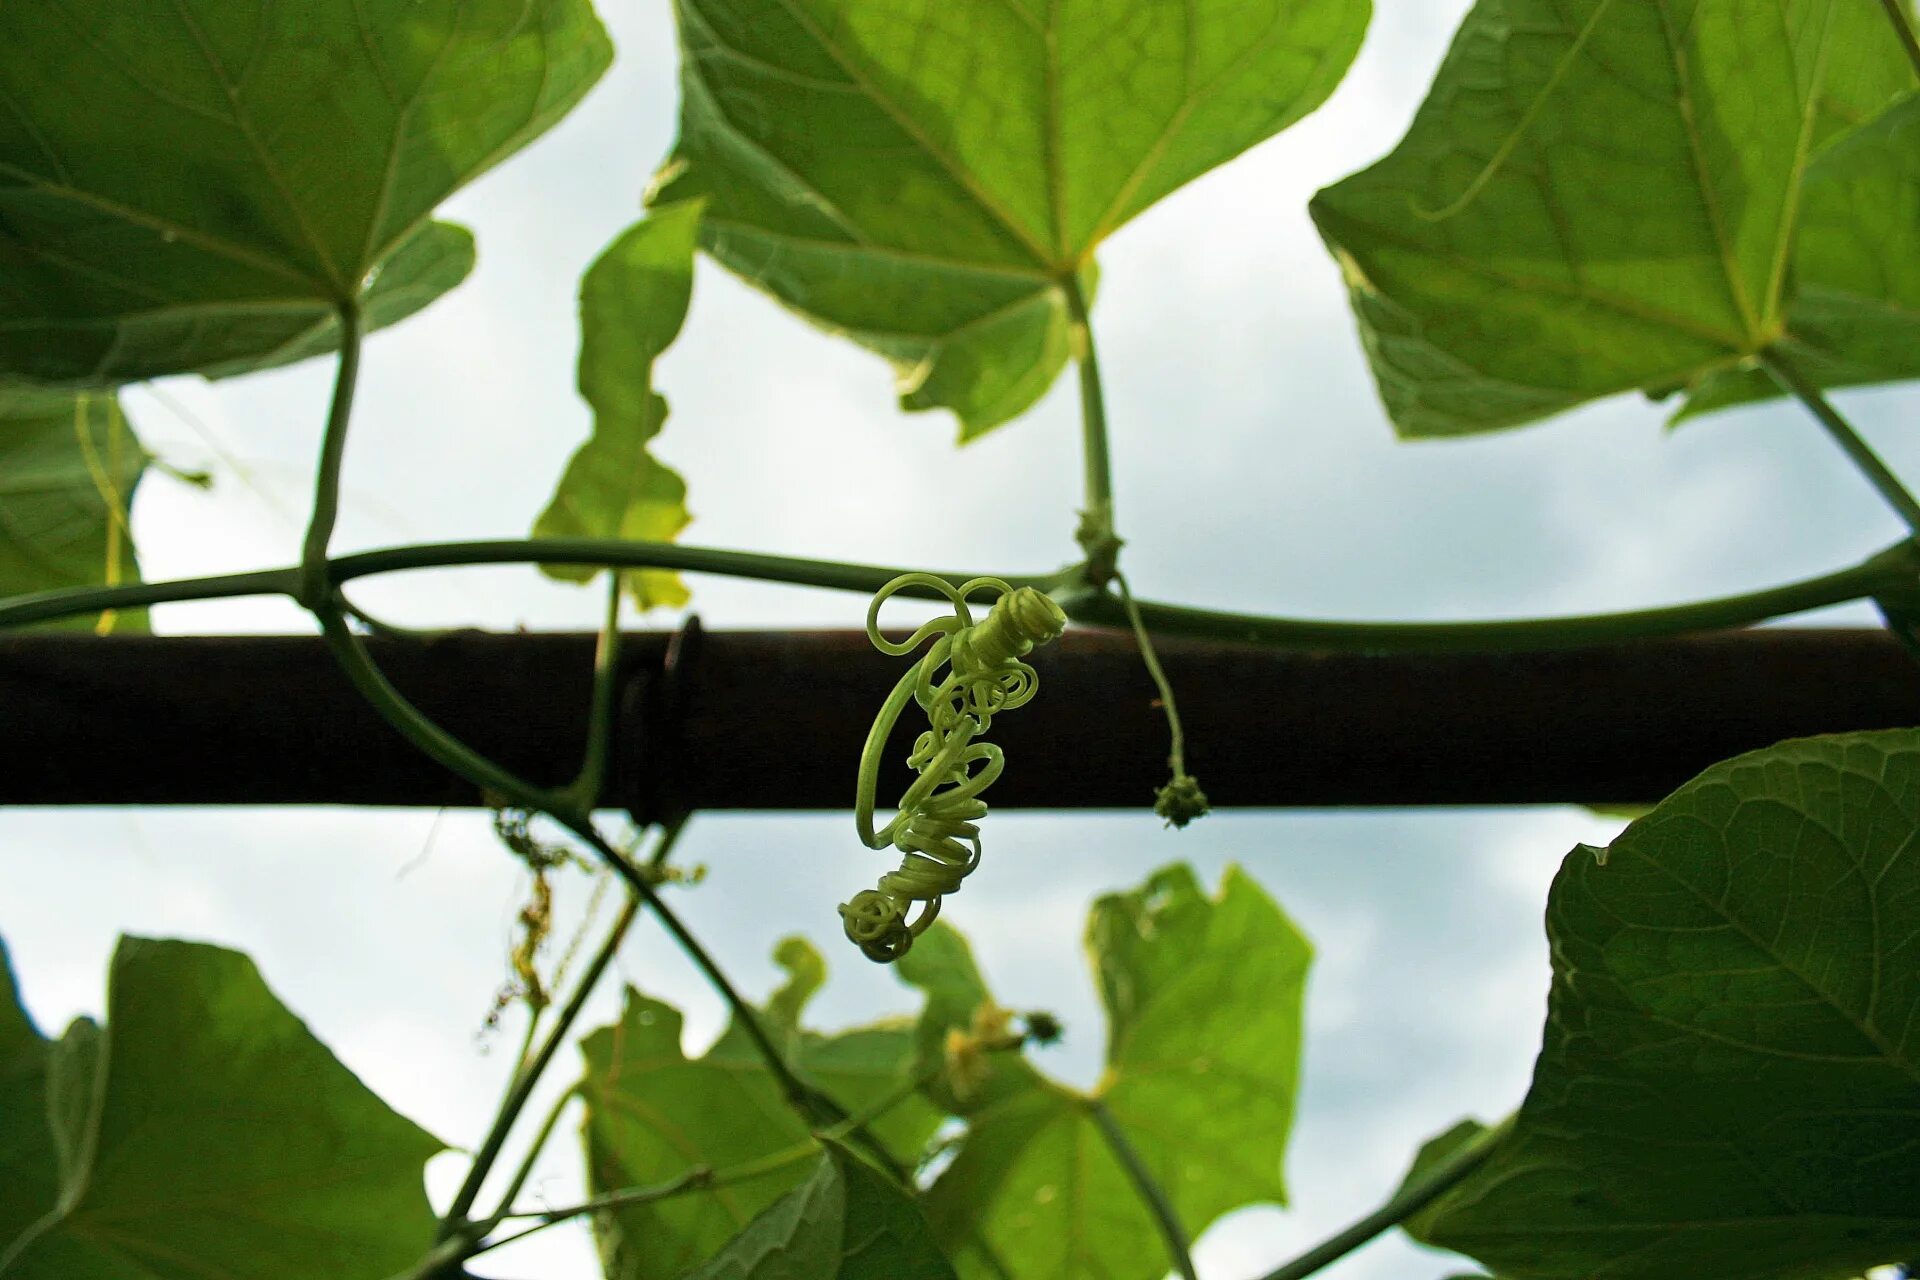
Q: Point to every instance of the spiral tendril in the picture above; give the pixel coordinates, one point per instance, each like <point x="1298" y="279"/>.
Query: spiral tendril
<point x="936" y="826"/>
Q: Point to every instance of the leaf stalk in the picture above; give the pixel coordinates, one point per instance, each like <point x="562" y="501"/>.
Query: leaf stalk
<point x="1147" y="1187"/>
<point x="1796" y="383"/>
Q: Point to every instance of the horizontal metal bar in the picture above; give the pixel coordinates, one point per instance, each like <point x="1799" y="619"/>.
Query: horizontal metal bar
<point x="775" y="720"/>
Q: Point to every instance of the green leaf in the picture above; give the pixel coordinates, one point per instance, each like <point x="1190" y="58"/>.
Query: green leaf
<point x="941" y="965"/>
<point x="1203" y="999"/>
<point x="1729" y="1082"/>
<point x="1596" y="196"/>
<point x="923" y="177"/>
<point x="633" y="300"/>
<point x="845" y="1222"/>
<point x="205" y="1132"/>
<point x="653" y="1113"/>
<point x="195" y="186"/>
<point x="69" y="466"/>
<point x="1855" y="318"/>
<point x="29" y="1176"/>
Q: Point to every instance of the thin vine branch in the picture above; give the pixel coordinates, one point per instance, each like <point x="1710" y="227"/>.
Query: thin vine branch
<point x="1151" y="1193"/>
<point x="527" y="1078"/>
<point x="1403" y="1204"/>
<point x="1796" y="383"/>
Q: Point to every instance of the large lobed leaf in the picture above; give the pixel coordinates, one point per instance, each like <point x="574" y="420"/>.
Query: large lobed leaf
<point x="1729" y="1083"/>
<point x="1596" y="196"/>
<point x="633" y="300"/>
<point x="652" y="1113"/>
<point x="203" y="1132"/>
<point x="69" y="466"/>
<point x="923" y="176"/>
<point x="1204" y="999"/>
<point x="847" y="1221"/>
<point x="1855" y="316"/>
<point x="195" y="185"/>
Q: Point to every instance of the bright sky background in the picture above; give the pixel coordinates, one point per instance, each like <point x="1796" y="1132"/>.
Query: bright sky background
<point x="1255" y="470"/>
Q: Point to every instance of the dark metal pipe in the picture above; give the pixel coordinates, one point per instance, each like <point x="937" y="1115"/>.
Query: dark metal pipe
<point x="775" y="720"/>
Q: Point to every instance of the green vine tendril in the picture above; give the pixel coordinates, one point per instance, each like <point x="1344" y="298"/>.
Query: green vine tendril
<point x="936" y="823"/>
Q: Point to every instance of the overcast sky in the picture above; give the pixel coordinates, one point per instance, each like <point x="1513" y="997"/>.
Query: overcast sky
<point x="1254" y="469"/>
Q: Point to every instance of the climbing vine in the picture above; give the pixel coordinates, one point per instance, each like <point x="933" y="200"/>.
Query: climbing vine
<point x="1714" y="204"/>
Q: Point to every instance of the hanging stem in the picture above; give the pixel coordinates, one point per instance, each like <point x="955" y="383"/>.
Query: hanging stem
<point x="1903" y="30"/>
<point x="1177" y="755"/>
<point x="1146" y="1186"/>
<point x="1404" y="1203"/>
<point x="1878" y="474"/>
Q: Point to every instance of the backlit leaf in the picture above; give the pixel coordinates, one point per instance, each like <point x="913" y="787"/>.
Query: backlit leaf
<point x="923" y="176"/>
<point x="1596" y="196"/>
<point x="845" y="1222"/>
<point x="69" y="465"/>
<point x="1855" y="316"/>
<point x="1729" y="1083"/>
<point x="653" y="1113"/>
<point x="193" y="185"/>
<point x="633" y="300"/>
<point x="205" y="1132"/>
<point x="1203" y="999"/>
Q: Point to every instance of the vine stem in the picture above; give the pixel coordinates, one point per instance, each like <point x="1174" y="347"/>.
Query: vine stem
<point x="1177" y="754"/>
<point x="1093" y="406"/>
<point x="1403" y="1204"/>
<point x="314" y="590"/>
<point x="1894" y="569"/>
<point x="584" y="792"/>
<point x="527" y="1077"/>
<point x="1796" y="383"/>
<point x="1903" y="29"/>
<point x="1151" y="1193"/>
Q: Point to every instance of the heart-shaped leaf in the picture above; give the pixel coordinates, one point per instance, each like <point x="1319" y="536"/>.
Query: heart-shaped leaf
<point x="923" y="176"/>
<point x="205" y="1132"/>
<point x="845" y="1222"/>
<point x="633" y="300"/>
<point x="653" y="1113"/>
<point x="197" y="185"/>
<point x="1203" y="1000"/>
<point x="1855" y="316"/>
<point x="1596" y="196"/>
<point x="69" y="466"/>
<point x="1729" y="1083"/>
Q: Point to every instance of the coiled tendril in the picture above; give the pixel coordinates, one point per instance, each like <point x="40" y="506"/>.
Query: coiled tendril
<point x="935" y="827"/>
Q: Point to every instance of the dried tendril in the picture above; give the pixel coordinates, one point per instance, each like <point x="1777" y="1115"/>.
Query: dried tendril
<point x="935" y="826"/>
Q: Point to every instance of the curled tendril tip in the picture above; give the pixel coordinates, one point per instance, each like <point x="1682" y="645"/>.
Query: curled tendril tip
<point x="972" y="672"/>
